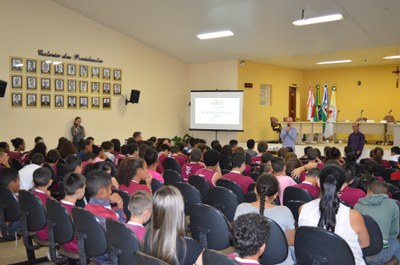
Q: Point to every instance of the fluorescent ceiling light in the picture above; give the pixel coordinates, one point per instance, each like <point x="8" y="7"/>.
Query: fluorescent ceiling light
<point x="213" y="35"/>
<point x="315" y="20"/>
<point x="392" y="57"/>
<point x="333" y="62"/>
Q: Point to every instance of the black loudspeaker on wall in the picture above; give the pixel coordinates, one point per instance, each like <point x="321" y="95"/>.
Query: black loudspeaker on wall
<point x="3" y="86"/>
<point x="134" y="98"/>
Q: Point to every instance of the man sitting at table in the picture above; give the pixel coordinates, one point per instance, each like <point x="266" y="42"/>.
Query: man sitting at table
<point x="356" y="140"/>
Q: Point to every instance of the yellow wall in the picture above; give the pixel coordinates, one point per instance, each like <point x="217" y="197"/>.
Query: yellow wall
<point x="257" y="118"/>
<point x="42" y="24"/>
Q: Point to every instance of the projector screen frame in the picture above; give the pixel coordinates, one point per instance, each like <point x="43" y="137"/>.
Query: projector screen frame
<point x="217" y="130"/>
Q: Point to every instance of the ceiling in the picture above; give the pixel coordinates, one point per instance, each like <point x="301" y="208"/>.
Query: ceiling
<point x="263" y="29"/>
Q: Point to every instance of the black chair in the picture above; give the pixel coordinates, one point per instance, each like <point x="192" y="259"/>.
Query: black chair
<point x="379" y="171"/>
<point x="60" y="230"/>
<point x="254" y="175"/>
<point x="122" y="243"/>
<point x="200" y="184"/>
<point x="251" y="187"/>
<point x="386" y="173"/>
<point x="170" y="163"/>
<point x="356" y="183"/>
<point x="392" y="188"/>
<point x="125" y="198"/>
<point x="209" y="226"/>
<point x="277" y="246"/>
<point x="9" y="211"/>
<point x="33" y="219"/>
<point x="396" y="196"/>
<point x="360" y="168"/>
<point x="91" y="235"/>
<point x="292" y="193"/>
<point x="144" y="259"/>
<point x="375" y="236"/>
<point x="171" y="177"/>
<point x="225" y="171"/>
<point x="190" y="195"/>
<point x="224" y="200"/>
<point x="61" y="171"/>
<point x="211" y="257"/>
<point x="155" y="185"/>
<point x="317" y="246"/>
<point x="233" y="186"/>
<point x="250" y="197"/>
<point x="294" y="206"/>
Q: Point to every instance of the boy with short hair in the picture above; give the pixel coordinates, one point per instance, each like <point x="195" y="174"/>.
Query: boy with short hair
<point x="194" y="165"/>
<point x="140" y="206"/>
<point x="238" y="166"/>
<point x="262" y="147"/>
<point x="310" y="183"/>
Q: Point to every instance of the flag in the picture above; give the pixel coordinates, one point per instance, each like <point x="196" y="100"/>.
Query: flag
<point x="310" y="104"/>
<point x="317" y="107"/>
<point x="324" y="107"/>
<point x="332" y="114"/>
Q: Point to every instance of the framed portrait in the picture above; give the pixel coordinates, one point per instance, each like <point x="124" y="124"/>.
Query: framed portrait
<point x="31" y="82"/>
<point x="45" y="67"/>
<point x="83" y="86"/>
<point x="83" y="102"/>
<point x="95" y="87"/>
<point x="71" y="102"/>
<point x="16" y="64"/>
<point x="83" y="71"/>
<point x="106" y="73"/>
<point x="58" y="68"/>
<point x="59" y="85"/>
<point x="45" y="100"/>
<point x="71" y="85"/>
<point x="16" y="99"/>
<point x="95" y="103"/>
<point x="117" y="74"/>
<point x="16" y="81"/>
<point x="31" y="100"/>
<point x="95" y="72"/>
<point x="71" y="69"/>
<point x="31" y="66"/>
<point x="117" y="89"/>
<point x="45" y="83"/>
<point x="59" y="101"/>
<point x="106" y="103"/>
<point x="106" y="88"/>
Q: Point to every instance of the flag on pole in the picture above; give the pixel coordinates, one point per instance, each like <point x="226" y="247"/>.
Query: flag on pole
<point x="317" y="107"/>
<point x="332" y="114"/>
<point x="310" y="104"/>
<point x="324" y="106"/>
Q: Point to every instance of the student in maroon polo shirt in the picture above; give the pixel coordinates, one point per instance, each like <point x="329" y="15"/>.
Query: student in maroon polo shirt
<point x="151" y="158"/>
<point x="140" y="206"/>
<point x="181" y="158"/>
<point x="211" y="172"/>
<point x="262" y="148"/>
<point x="310" y="183"/>
<point x="131" y="172"/>
<point x="238" y="166"/>
<point x="42" y="181"/>
<point x="190" y="168"/>
<point x="351" y="195"/>
<point x="163" y="154"/>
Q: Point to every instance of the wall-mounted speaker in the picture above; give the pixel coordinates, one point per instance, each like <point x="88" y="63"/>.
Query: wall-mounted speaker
<point x="134" y="98"/>
<point x="3" y="86"/>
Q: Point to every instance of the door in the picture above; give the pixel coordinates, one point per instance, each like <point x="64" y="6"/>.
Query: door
<point x="292" y="102"/>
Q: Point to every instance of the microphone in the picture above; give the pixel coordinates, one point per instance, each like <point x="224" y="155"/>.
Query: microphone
<point x="361" y="112"/>
<point x="390" y="111"/>
<point x="338" y="111"/>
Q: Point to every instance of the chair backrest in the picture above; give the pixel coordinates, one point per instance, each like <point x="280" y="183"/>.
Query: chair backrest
<point x="155" y="185"/>
<point x="375" y="237"/>
<point x="379" y="170"/>
<point x="125" y="198"/>
<point x="250" y="197"/>
<point x="314" y="245"/>
<point x="144" y="259"/>
<point x="386" y="173"/>
<point x="170" y="163"/>
<point x="62" y="224"/>
<point x="224" y="200"/>
<point x="251" y="187"/>
<point x="254" y="175"/>
<point x="122" y="243"/>
<point x="233" y="186"/>
<point x="274" y="122"/>
<point x="200" y="184"/>
<point x="389" y="118"/>
<point x="360" y="168"/>
<point x="211" y="257"/>
<point x="90" y="233"/>
<point x="209" y="226"/>
<point x="392" y="188"/>
<point x="277" y="247"/>
<point x="8" y="205"/>
<point x="33" y="210"/>
<point x="292" y="193"/>
<point x="396" y="196"/>
<point x="294" y="206"/>
<point x="171" y="177"/>
<point x="190" y="195"/>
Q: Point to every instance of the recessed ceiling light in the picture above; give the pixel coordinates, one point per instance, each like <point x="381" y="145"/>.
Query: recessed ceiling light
<point x="316" y="20"/>
<point x="392" y="57"/>
<point x="333" y="62"/>
<point x="213" y="35"/>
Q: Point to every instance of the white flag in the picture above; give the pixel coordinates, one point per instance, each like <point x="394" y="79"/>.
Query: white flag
<point x="332" y="114"/>
<point x="310" y="104"/>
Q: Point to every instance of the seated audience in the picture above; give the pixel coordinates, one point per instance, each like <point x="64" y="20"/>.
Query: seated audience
<point x="108" y="149"/>
<point x="151" y="158"/>
<point x="211" y="172"/>
<point x="291" y="165"/>
<point x="394" y="154"/>
<point x="178" y="156"/>
<point x="130" y="173"/>
<point x="250" y="147"/>
<point x="396" y="175"/>
<point x="117" y="146"/>
<point x="19" y="148"/>
<point x="238" y="166"/>
<point x="190" y="168"/>
<point x="140" y="207"/>
<point x="163" y="154"/>
<point x="85" y="147"/>
<point x="350" y="195"/>
<point x="262" y="147"/>
<point x="68" y="148"/>
<point x="26" y="173"/>
<point x="279" y="171"/>
<point x="225" y="157"/>
<point x="378" y="158"/>
<point x="310" y="183"/>
<point x="247" y="169"/>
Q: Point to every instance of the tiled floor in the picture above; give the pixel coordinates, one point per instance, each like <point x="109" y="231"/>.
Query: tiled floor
<point x="13" y="252"/>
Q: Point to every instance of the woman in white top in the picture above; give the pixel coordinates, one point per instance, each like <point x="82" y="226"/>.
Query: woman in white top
<point x="327" y="212"/>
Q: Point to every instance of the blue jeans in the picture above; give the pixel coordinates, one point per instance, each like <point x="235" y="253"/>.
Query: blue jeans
<point x="386" y="254"/>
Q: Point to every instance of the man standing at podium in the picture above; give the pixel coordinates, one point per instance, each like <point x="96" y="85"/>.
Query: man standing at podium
<point x="289" y="134"/>
<point x="356" y="140"/>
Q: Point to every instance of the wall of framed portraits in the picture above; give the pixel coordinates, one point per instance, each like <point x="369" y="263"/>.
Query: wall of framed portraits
<point x="38" y="94"/>
<point x="38" y="83"/>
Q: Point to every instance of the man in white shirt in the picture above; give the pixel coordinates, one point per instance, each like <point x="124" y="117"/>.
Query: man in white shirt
<point x="26" y="173"/>
<point x="394" y="154"/>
